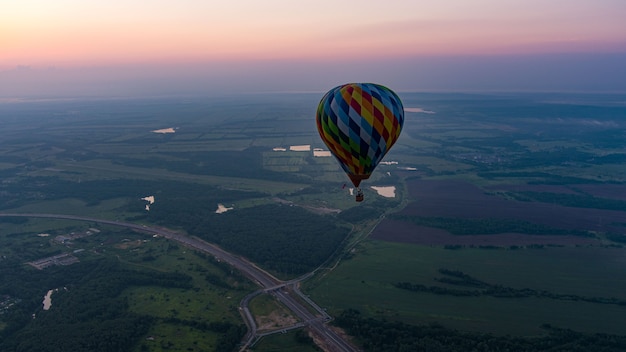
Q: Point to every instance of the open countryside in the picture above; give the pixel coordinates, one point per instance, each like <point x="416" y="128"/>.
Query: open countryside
<point x="504" y="224"/>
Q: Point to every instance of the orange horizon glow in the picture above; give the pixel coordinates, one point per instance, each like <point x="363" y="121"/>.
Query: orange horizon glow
<point x="71" y="33"/>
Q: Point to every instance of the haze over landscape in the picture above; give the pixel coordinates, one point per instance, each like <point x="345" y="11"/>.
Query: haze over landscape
<point x="167" y="179"/>
<point x="139" y="48"/>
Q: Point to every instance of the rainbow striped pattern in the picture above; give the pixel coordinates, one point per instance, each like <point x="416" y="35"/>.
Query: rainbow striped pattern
<point x="359" y="123"/>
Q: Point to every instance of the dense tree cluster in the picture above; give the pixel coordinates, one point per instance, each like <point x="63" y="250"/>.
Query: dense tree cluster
<point x="228" y="163"/>
<point x="183" y="195"/>
<point x="372" y="210"/>
<point x="539" y="177"/>
<point x="382" y="335"/>
<point x="88" y="312"/>
<point x="616" y="237"/>
<point x="50" y="188"/>
<point x="230" y="334"/>
<point x="282" y="238"/>
<point x="570" y="200"/>
<point x="489" y="226"/>
<point x="481" y="288"/>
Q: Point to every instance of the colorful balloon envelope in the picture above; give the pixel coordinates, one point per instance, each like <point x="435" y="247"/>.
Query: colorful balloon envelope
<point x="359" y="123"/>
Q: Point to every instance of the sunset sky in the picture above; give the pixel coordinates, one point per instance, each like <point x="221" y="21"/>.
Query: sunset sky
<point x="71" y="47"/>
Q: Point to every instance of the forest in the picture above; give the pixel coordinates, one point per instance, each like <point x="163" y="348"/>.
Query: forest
<point x="382" y="335"/>
<point x="89" y="313"/>
<point x="287" y="240"/>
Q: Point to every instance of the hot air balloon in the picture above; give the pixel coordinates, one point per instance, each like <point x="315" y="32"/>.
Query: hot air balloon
<point x="359" y="123"/>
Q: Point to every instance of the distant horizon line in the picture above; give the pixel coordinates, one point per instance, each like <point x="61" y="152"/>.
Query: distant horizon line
<point x="213" y="95"/>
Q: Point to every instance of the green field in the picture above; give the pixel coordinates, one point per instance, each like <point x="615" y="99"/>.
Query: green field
<point x="366" y="282"/>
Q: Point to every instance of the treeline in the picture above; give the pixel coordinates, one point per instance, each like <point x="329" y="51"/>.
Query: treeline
<point x="229" y="278"/>
<point x="230" y="334"/>
<point x="24" y="247"/>
<point x="570" y="200"/>
<point x="543" y="178"/>
<point x="510" y="247"/>
<point x="185" y="194"/>
<point x="382" y="335"/>
<point x="481" y="288"/>
<point x="285" y="239"/>
<point x="525" y="159"/>
<point x="288" y="240"/>
<point x="374" y="208"/>
<point x="50" y="188"/>
<point x="616" y="237"/>
<point x="227" y="163"/>
<point x="88" y="312"/>
<point x="488" y="226"/>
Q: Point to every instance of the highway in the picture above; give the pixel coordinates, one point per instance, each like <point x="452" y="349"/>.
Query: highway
<point x="285" y="292"/>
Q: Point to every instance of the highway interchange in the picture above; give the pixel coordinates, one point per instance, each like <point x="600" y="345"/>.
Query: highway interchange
<point x="285" y="292"/>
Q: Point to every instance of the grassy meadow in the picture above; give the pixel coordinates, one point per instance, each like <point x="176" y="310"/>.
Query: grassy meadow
<point x="366" y="281"/>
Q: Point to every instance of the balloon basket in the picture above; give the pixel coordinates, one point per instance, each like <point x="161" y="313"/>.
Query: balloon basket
<point x="359" y="195"/>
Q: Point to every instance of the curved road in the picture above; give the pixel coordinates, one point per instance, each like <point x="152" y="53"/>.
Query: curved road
<point x="285" y="292"/>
